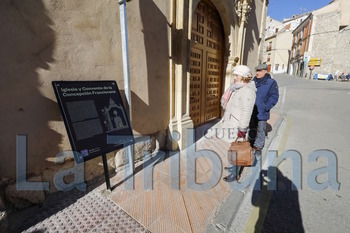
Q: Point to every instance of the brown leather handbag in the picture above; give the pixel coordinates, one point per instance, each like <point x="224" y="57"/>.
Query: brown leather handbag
<point x="240" y="153"/>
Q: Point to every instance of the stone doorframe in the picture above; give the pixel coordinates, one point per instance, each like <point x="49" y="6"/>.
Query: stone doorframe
<point x="231" y="13"/>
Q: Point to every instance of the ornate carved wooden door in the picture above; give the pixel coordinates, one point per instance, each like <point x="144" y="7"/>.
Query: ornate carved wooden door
<point x="206" y="64"/>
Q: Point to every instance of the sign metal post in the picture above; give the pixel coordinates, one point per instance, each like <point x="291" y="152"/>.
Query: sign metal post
<point x="105" y="168"/>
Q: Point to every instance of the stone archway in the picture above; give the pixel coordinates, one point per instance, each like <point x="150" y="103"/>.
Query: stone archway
<point x="180" y="84"/>
<point x="206" y="63"/>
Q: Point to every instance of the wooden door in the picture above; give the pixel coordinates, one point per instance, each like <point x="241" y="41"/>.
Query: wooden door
<point x="206" y="64"/>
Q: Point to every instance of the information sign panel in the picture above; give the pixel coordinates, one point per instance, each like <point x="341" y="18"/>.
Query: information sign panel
<point x="315" y="61"/>
<point x="92" y="111"/>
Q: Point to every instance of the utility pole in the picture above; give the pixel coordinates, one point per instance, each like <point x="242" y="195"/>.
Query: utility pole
<point x="129" y="151"/>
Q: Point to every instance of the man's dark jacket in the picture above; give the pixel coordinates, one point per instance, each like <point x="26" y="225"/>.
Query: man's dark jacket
<point x="266" y="96"/>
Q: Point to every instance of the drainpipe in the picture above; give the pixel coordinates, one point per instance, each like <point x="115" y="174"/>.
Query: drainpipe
<point x="129" y="151"/>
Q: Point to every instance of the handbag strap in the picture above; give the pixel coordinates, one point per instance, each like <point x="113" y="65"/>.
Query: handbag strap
<point x="244" y="139"/>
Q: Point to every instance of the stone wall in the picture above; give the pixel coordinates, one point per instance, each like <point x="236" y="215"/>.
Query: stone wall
<point x="46" y="40"/>
<point x="324" y="42"/>
<point x="331" y="43"/>
<point x="341" y="60"/>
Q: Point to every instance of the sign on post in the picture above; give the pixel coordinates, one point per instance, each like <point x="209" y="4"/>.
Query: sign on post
<point x="315" y="62"/>
<point x="92" y="111"/>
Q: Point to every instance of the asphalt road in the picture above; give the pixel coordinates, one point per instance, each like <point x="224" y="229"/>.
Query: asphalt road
<point x="317" y="121"/>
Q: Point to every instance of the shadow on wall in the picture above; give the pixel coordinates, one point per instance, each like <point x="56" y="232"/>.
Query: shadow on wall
<point x="279" y="210"/>
<point x="154" y="113"/>
<point x="252" y="33"/>
<point x="27" y="43"/>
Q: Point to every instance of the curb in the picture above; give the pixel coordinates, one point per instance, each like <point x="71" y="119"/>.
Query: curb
<point x="229" y="209"/>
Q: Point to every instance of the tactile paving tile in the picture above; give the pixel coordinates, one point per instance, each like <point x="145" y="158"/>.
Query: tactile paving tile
<point x="91" y="213"/>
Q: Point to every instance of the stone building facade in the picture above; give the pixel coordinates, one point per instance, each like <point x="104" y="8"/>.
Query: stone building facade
<point x="330" y="38"/>
<point x="173" y="46"/>
<point x="325" y="38"/>
<point x="277" y="46"/>
<point x="276" y="54"/>
<point x="272" y="26"/>
<point x="300" y="47"/>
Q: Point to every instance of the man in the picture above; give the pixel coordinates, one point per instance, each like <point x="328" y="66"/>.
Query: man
<point x="266" y="98"/>
<point x="342" y="77"/>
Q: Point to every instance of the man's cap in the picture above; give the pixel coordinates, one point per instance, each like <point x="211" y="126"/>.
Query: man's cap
<point x="262" y="67"/>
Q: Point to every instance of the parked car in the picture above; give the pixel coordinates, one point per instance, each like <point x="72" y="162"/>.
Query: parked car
<point x="323" y="77"/>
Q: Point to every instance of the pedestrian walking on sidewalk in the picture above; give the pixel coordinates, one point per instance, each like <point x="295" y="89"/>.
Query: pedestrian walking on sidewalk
<point x="238" y="103"/>
<point x="266" y="98"/>
<point x="336" y="75"/>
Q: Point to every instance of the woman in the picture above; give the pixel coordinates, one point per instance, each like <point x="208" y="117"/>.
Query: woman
<point x="238" y="103"/>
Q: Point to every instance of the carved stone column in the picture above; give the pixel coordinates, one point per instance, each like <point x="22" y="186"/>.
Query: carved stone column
<point x="243" y="9"/>
<point x="180" y="83"/>
<point x="262" y="30"/>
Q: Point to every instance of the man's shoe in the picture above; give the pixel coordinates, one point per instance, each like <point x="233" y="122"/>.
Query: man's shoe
<point x="231" y="178"/>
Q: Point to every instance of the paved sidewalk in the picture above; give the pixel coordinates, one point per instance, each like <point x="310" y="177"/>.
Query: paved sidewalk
<point x="75" y="211"/>
<point x="161" y="209"/>
<point x="91" y="213"/>
<point x="164" y="209"/>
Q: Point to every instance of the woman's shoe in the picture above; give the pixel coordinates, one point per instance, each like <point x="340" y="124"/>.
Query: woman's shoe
<point x="229" y="178"/>
<point x="228" y="168"/>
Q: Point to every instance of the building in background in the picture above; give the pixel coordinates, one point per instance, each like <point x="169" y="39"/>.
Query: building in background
<point x="330" y="39"/>
<point x="277" y="46"/>
<point x="300" y="47"/>
<point x="277" y="51"/>
<point x="272" y="26"/>
<point x="292" y="23"/>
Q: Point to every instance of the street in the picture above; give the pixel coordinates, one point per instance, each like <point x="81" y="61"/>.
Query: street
<point x="316" y="118"/>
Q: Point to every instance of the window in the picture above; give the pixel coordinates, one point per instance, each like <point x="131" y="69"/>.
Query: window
<point x="269" y="47"/>
<point x="282" y="66"/>
<point x="276" y="67"/>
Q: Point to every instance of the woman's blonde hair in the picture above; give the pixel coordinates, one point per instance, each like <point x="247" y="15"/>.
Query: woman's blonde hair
<point x="246" y="79"/>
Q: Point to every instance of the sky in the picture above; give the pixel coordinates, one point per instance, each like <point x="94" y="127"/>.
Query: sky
<point x="283" y="9"/>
